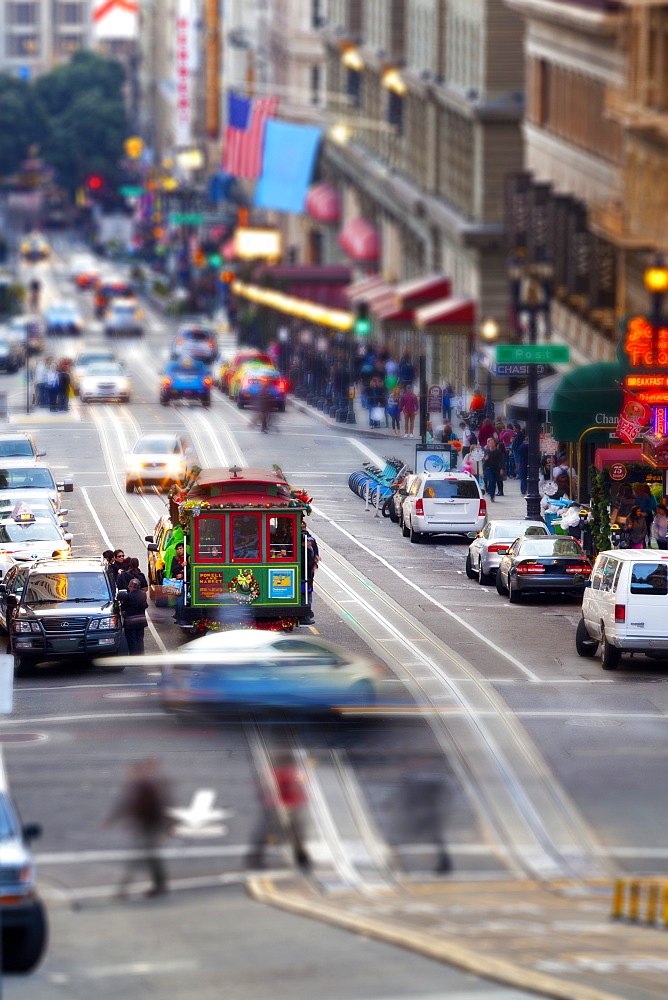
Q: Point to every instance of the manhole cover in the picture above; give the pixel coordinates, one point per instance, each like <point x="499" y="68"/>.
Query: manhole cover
<point x="22" y="737"/>
<point x="594" y="723"/>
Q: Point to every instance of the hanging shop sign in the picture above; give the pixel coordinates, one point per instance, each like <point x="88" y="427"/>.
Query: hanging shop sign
<point x="617" y="472"/>
<point x="634" y="416"/>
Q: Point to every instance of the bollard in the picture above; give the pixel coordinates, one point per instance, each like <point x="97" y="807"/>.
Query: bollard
<point x="664" y="905"/>
<point x="617" y="911"/>
<point x="652" y="903"/>
<point x="634" y="900"/>
<point x="378" y="489"/>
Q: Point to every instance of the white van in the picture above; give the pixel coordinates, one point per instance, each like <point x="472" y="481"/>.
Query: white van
<point x="448" y="503"/>
<point x="624" y="607"/>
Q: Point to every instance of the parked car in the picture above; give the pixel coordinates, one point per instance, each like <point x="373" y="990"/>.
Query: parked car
<point x="157" y="545"/>
<point x="195" y="341"/>
<point x="554" y="564"/>
<point x="29" y="330"/>
<point x="186" y="379"/>
<point x="250" y="668"/>
<point x="22" y="479"/>
<point x="25" y="536"/>
<point x="449" y="503"/>
<point x="398" y="497"/>
<point x="624" y="607"/>
<point x="160" y="460"/>
<point x="60" y="609"/>
<point x="63" y="318"/>
<point x="84" y="272"/>
<point x="492" y="542"/>
<point x="124" y="317"/>
<point x="12" y="353"/>
<point x="84" y="360"/>
<point x="244" y="356"/>
<point x="20" y="444"/>
<point x="251" y="380"/>
<point x="22" y="913"/>
<point x="35" y="247"/>
<point x="105" y="380"/>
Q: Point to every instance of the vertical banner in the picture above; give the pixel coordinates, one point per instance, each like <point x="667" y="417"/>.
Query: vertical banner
<point x="212" y="64"/>
<point x="518" y="190"/>
<point x="634" y="416"/>
<point x="603" y="274"/>
<point x="539" y="215"/>
<point x="579" y="242"/>
<point x="185" y="46"/>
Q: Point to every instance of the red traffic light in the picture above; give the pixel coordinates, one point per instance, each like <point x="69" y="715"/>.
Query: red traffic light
<point x="94" y="182"/>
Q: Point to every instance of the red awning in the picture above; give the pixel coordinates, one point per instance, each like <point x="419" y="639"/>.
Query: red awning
<point x="447" y="312"/>
<point x="427" y="288"/>
<point x="389" y="309"/>
<point x="323" y="203"/>
<point x="605" y="457"/>
<point x="360" y="290"/>
<point x="360" y="240"/>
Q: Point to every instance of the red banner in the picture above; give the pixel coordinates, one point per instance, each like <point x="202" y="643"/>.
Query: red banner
<point x="634" y="416"/>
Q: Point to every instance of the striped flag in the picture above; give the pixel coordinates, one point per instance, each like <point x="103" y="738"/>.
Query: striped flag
<point x="244" y="134"/>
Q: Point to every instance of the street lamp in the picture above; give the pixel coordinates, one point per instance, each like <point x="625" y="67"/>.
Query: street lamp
<point x="656" y="283"/>
<point x="489" y="332"/>
<point x="531" y="294"/>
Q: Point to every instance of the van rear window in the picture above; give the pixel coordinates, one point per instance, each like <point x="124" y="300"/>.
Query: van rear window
<point x="448" y="489"/>
<point x="650" y="578"/>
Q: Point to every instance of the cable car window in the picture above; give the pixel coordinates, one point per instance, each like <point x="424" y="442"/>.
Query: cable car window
<point x="245" y="537"/>
<point x="209" y="538"/>
<point x="281" y="537"/>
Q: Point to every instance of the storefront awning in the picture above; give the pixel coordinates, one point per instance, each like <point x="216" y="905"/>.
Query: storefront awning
<point x="427" y="288"/>
<point x="360" y="290"/>
<point x="360" y="240"/>
<point x="516" y="406"/>
<point x="586" y="399"/>
<point x="323" y="203"/>
<point x="291" y="305"/>
<point x="447" y="312"/>
<point x="605" y="457"/>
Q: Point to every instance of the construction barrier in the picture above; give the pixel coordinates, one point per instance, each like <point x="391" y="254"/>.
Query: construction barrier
<point x="640" y="901"/>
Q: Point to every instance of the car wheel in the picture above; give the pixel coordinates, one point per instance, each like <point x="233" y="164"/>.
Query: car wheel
<point x="500" y="585"/>
<point x="391" y="511"/>
<point x="610" y="655"/>
<point x="415" y="536"/>
<point x="24" y="666"/>
<point x="130" y="486"/>
<point x="470" y="572"/>
<point x="514" y="595"/>
<point x="404" y="530"/>
<point x="584" y="644"/>
<point x="361" y="694"/>
<point x="206" y="402"/>
<point x="483" y="578"/>
<point x="281" y="407"/>
<point x="240" y="403"/>
<point x="23" y="947"/>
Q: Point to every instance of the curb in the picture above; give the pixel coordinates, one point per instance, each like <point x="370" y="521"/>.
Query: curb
<point x="444" y="950"/>
<point x="348" y="428"/>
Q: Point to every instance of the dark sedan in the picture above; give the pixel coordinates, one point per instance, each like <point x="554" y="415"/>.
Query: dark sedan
<point x="556" y="563"/>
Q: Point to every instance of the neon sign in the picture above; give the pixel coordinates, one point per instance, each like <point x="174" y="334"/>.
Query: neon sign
<point x="645" y="346"/>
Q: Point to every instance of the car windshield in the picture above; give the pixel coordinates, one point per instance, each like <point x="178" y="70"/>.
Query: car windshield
<point x="551" y="546"/>
<point x="8" y="822"/>
<point x="29" y="479"/>
<point x="16" y="449"/>
<point x="49" y="587"/>
<point x="197" y="335"/>
<point x="123" y="310"/>
<point x="90" y="359"/>
<point x="513" y="529"/>
<point x="105" y="369"/>
<point x="184" y="371"/>
<point x="155" y="446"/>
<point x="41" y="531"/>
<point x="449" y="489"/>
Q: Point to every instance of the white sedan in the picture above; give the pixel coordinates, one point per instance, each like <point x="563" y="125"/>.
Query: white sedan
<point x="492" y="542"/>
<point x="84" y="360"/>
<point x="106" y="380"/>
<point x="160" y="460"/>
<point x="252" y="668"/>
<point x="37" y="538"/>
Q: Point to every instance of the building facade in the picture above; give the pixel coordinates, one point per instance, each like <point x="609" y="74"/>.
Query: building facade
<point x="36" y="35"/>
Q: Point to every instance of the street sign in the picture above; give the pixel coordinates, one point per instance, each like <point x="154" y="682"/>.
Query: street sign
<point x="434" y="399"/>
<point x="186" y="218"/>
<point x="434" y="457"/>
<point x="516" y="369"/>
<point x="548" y="446"/>
<point x="532" y="354"/>
<point x="131" y="191"/>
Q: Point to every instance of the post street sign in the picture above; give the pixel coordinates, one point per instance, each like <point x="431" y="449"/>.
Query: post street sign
<point x="532" y="354"/>
<point x="516" y="369"/>
<point x="186" y="218"/>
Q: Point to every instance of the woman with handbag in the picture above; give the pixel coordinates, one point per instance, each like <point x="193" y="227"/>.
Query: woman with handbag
<point x="134" y="604"/>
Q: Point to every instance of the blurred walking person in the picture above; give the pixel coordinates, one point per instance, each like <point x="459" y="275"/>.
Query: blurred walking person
<point x="144" y="806"/>
<point x="283" y="803"/>
<point x="409" y="406"/>
<point x="134" y="604"/>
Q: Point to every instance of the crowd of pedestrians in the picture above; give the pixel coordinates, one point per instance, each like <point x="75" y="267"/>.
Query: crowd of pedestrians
<point x="52" y="384"/>
<point x="133" y="588"/>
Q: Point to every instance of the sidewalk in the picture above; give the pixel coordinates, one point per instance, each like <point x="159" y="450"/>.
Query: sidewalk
<point x="557" y="941"/>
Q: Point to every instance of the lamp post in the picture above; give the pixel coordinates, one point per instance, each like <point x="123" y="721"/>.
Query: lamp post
<point x="531" y="295"/>
<point x="489" y="332"/>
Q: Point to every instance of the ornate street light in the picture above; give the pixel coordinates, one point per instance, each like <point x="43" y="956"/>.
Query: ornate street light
<point x="489" y="332"/>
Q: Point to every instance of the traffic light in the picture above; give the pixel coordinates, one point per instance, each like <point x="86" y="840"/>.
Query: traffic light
<point x="362" y="324"/>
<point x="227" y="277"/>
<point x="94" y="182"/>
<point x="214" y="260"/>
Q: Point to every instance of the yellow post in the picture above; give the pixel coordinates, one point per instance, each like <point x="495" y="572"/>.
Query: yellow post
<point x="634" y="900"/>
<point x="617" y="911"/>
<point x="664" y="904"/>
<point x="652" y="903"/>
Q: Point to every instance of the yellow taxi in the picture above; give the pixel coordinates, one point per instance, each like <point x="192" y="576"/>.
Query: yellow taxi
<point x="35" y="247"/>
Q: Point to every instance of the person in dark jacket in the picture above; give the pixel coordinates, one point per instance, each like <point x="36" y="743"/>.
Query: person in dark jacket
<point x="63" y="386"/>
<point x="406" y="371"/>
<point x="492" y="465"/>
<point x="133" y="572"/>
<point x="117" y="564"/>
<point x="134" y="604"/>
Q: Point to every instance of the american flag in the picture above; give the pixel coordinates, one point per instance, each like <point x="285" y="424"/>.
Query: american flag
<point x="244" y="134"/>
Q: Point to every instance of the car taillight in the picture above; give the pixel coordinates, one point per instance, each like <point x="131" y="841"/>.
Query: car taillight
<point x="530" y="568"/>
<point x="281" y="386"/>
<point x="166" y="381"/>
<point x="482" y="510"/>
<point x="620" y="612"/>
<point x="207" y="381"/>
<point x="576" y="568"/>
<point x="419" y="508"/>
<point x="498" y="548"/>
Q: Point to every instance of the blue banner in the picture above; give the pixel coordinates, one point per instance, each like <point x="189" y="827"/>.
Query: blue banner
<point x="287" y="167"/>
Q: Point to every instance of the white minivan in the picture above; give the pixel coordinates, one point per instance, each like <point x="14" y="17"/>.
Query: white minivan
<point x="444" y="503"/>
<point x="624" y="607"/>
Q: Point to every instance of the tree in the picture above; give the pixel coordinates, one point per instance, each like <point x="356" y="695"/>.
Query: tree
<point x="22" y="122"/>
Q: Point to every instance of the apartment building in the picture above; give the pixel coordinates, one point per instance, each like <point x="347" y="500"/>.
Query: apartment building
<point x="36" y="35"/>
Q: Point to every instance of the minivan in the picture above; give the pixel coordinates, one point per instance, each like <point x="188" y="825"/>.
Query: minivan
<point x="448" y="503"/>
<point x="624" y="606"/>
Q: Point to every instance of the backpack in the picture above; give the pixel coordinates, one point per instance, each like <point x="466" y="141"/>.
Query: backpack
<point x="474" y="439"/>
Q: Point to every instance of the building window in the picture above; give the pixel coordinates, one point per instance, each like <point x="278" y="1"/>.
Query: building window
<point x="317" y="15"/>
<point x="67" y="44"/>
<point x="543" y="95"/>
<point x="26" y="46"/>
<point x="354" y="88"/>
<point x="395" y="111"/>
<point x="70" y="13"/>
<point x="315" y="84"/>
<point x="22" y="13"/>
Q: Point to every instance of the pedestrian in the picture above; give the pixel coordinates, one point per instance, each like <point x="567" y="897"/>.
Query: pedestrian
<point x="622" y="505"/>
<point x="636" y="528"/>
<point x="406" y="371"/>
<point x="308" y="572"/>
<point x="177" y="571"/>
<point x="447" y="433"/>
<point x="468" y="465"/>
<point x="491" y="465"/>
<point x="64" y="383"/>
<point x="134" y="604"/>
<point x="391" y="374"/>
<point x="40" y="383"/>
<point x="486" y="432"/>
<point x="144" y="805"/>
<point x="660" y="526"/>
<point x="117" y="564"/>
<point x="133" y="572"/>
<point x="507" y="437"/>
<point x="446" y="408"/>
<point x="393" y="411"/>
<point x="376" y="401"/>
<point x="646" y="500"/>
<point x="283" y="800"/>
<point x="265" y="406"/>
<point x="469" y="439"/>
<point x="409" y="406"/>
<point x="108" y="557"/>
<point x="53" y="386"/>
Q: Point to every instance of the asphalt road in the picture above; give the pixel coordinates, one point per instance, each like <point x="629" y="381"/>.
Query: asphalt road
<point x="547" y="764"/>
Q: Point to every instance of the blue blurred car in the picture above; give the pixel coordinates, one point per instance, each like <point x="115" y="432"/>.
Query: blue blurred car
<point x="62" y="318"/>
<point x="186" y="379"/>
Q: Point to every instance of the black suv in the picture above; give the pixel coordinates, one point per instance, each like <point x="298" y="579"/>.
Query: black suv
<point x="60" y="609"/>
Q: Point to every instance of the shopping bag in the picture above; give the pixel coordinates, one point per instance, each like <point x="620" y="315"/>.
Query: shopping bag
<point x="377" y="414"/>
<point x="172" y="587"/>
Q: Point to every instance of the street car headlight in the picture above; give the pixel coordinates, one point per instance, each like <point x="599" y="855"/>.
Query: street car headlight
<point x="174" y="464"/>
<point x="135" y="464"/>
<point x="20" y="626"/>
<point x="101" y="623"/>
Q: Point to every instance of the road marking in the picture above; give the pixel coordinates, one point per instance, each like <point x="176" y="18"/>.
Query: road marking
<point x="200" y="819"/>
<point x="100" y="527"/>
<point x="141" y="969"/>
<point x="87" y="717"/>
<point x="380" y="462"/>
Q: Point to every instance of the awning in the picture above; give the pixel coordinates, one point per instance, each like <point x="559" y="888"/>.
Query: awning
<point x="447" y="312"/>
<point x="587" y="399"/>
<point x="427" y="288"/>
<point x="360" y="240"/>
<point x="360" y="290"/>
<point x="323" y="203"/>
<point x="516" y="406"/>
<point x="605" y="457"/>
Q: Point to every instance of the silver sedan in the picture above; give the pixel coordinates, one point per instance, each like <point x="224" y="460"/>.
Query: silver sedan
<point x="492" y="542"/>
